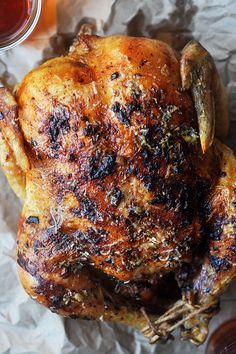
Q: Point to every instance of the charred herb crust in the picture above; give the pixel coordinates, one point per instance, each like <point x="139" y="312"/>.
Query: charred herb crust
<point x="100" y="166"/>
<point x="32" y="220"/>
<point x="58" y="123"/>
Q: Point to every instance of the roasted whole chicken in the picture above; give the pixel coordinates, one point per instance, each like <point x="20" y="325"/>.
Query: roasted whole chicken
<point x="129" y="199"/>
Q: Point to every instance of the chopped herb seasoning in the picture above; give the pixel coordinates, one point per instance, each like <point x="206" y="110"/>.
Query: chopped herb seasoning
<point x="158" y="199"/>
<point x="34" y="143"/>
<point x="122" y="114"/>
<point x="37" y="245"/>
<point x="115" y="75"/>
<point x="223" y="174"/>
<point x="90" y="129"/>
<point x="58" y="123"/>
<point x="219" y="263"/>
<point x="72" y="157"/>
<point x="88" y="209"/>
<point x="116" y="196"/>
<point x="143" y="62"/>
<point x="215" y="233"/>
<point x="167" y="113"/>
<point x="32" y="220"/>
<point x="103" y="168"/>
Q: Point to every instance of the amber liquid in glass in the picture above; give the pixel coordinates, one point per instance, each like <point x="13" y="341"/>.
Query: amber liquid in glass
<point x="223" y="340"/>
<point x="14" y="14"/>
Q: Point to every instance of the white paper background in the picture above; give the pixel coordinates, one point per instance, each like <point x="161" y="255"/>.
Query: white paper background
<point x="26" y="327"/>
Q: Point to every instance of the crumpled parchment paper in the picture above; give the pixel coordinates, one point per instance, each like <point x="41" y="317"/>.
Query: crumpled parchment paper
<point x="25" y="326"/>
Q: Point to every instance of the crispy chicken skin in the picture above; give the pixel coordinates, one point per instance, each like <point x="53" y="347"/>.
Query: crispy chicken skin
<point x="129" y="200"/>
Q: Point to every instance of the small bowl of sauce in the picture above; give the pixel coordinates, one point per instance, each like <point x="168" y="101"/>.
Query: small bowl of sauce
<point x="17" y="20"/>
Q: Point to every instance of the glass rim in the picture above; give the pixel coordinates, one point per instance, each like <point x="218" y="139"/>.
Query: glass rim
<point x="26" y="30"/>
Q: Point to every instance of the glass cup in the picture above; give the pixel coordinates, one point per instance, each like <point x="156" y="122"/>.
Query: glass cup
<point x="21" y="34"/>
<point x="223" y="340"/>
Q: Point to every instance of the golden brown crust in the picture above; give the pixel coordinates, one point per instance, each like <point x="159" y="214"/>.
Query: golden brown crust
<point x="109" y="139"/>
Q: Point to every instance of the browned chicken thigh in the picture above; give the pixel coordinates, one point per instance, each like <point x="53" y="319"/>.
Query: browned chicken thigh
<point x="129" y="201"/>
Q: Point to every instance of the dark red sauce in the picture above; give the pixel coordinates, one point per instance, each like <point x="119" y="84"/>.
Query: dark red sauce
<point x="223" y="340"/>
<point x="14" y="14"/>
